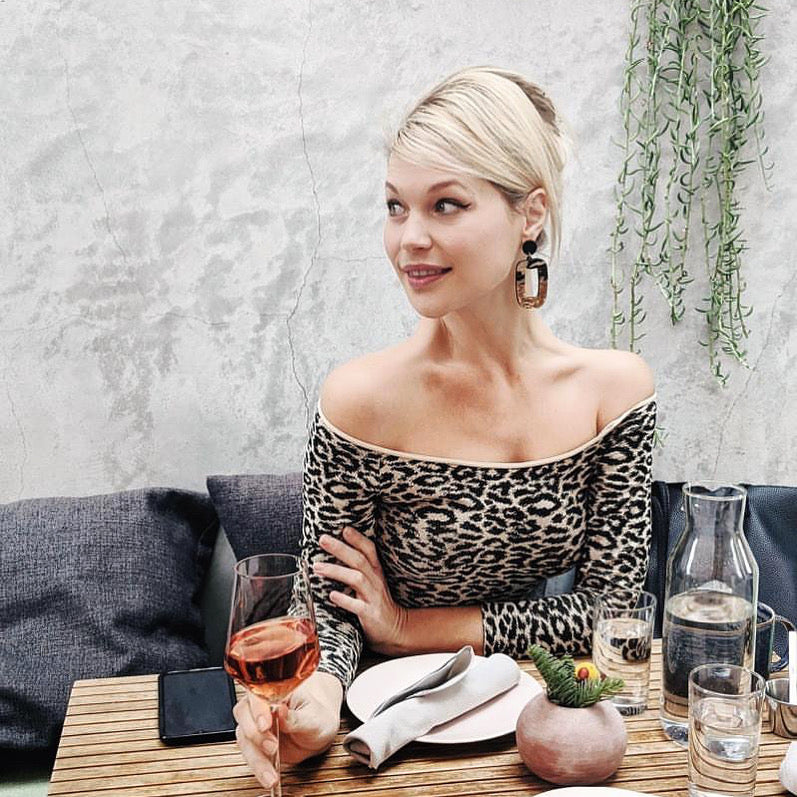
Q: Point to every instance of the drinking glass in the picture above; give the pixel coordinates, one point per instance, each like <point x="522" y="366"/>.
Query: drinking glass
<point x="725" y="702"/>
<point x="621" y="643"/>
<point x="768" y="621"/>
<point x="272" y="644"/>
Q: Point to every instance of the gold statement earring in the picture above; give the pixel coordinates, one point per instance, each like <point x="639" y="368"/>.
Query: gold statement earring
<point x="522" y="267"/>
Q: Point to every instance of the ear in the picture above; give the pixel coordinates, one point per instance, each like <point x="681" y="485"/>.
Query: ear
<point x="534" y="209"/>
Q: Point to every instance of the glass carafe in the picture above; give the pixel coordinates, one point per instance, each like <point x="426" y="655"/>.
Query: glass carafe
<point x="710" y="597"/>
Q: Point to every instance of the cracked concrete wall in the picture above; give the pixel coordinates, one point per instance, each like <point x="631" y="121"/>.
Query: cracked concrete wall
<point x="191" y="228"/>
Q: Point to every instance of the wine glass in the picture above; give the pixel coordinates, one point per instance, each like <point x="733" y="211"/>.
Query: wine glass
<point x="272" y="644"/>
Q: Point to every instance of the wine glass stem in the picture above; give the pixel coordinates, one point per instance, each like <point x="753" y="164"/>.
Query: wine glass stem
<point x="276" y="789"/>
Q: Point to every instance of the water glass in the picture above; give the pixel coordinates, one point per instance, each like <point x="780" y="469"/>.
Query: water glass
<point x="621" y="643"/>
<point x="765" y="628"/>
<point x="725" y="702"/>
<point x="782" y="713"/>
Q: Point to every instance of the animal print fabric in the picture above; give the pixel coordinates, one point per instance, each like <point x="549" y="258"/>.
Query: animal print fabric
<point x="455" y="533"/>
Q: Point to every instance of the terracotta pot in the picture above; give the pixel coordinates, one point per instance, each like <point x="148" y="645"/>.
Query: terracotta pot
<point x="571" y="746"/>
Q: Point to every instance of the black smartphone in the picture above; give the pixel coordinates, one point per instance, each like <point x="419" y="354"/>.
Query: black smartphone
<point x="196" y="706"/>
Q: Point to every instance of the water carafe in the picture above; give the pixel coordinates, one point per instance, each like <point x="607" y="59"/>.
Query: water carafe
<point x="710" y="597"/>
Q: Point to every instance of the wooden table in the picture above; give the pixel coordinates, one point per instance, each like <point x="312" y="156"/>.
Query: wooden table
<point x="110" y="746"/>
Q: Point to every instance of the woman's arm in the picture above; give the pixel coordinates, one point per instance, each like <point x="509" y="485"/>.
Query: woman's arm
<point x="336" y="490"/>
<point x="389" y="628"/>
<point x="444" y="628"/>
<point x="340" y="484"/>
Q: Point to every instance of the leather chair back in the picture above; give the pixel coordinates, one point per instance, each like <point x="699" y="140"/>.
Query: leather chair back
<point x="770" y="525"/>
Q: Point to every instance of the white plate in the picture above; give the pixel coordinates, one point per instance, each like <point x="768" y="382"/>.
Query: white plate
<point x="493" y="718"/>
<point x="596" y="791"/>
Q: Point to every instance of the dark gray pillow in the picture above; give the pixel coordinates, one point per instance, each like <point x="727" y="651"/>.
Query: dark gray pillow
<point x="92" y="587"/>
<point x="261" y="513"/>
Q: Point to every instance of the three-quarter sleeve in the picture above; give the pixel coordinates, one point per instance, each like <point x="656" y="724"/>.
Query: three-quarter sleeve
<point x="614" y="552"/>
<point x="337" y="491"/>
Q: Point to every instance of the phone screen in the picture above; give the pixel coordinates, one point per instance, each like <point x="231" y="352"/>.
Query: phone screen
<point x="196" y="706"/>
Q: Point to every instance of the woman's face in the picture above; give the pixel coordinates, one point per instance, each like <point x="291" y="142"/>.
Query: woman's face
<point x="453" y="239"/>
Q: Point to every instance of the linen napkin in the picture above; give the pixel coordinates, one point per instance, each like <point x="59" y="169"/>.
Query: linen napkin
<point x="788" y="769"/>
<point x="399" y="724"/>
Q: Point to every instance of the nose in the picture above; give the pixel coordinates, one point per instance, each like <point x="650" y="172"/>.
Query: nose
<point x="415" y="233"/>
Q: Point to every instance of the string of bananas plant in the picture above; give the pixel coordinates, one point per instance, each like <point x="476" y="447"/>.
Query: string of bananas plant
<point x="692" y="116"/>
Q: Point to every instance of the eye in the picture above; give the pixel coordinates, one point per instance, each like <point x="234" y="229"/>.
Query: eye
<point x="393" y="207"/>
<point x="449" y="206"/>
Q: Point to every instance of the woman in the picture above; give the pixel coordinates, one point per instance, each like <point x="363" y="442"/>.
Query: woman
<point x="448" y="476"/>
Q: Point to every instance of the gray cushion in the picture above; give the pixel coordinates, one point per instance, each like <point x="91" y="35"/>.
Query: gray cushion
<point x="93" y="587"/>
<point x="214" y="602"/>
<point x="770" y="521"/>
<point x="261" y="513"/>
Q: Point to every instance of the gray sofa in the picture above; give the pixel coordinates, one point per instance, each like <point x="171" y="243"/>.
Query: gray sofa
<point x="131" y="582"/>
<point x="214" y="601"/>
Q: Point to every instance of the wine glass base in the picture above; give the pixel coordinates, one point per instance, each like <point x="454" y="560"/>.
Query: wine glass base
<point x="677" y="732"/>
<point x="274" y="791"/>
<point x="630" y="709"/>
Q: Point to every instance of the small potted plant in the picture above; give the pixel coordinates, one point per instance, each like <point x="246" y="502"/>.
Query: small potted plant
<point x="566" y="735"/>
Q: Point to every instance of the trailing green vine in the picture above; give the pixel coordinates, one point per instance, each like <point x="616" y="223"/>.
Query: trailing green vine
<point x="691" y="107"/>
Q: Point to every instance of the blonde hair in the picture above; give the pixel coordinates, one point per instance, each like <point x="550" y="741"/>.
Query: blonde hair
<point x="493" y="124"/>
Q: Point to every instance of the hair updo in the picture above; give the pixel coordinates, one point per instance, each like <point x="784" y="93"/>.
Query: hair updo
<point x="493" y="124"/>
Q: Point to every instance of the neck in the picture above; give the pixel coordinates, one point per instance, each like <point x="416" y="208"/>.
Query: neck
<point x="495" y="335"/>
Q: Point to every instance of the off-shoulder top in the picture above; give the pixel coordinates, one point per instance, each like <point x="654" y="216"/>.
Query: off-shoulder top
<point x="453" y="533"/>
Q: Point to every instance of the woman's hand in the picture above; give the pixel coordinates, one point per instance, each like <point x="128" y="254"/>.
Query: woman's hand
<point x="383" y="621"/>
<point x="307" y="725"/>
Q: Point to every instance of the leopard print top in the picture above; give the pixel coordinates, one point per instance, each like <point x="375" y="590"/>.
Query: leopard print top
<point x="455" y="533"/>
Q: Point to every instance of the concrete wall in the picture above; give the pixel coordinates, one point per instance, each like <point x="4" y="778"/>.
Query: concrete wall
<point x="191" y="228"/>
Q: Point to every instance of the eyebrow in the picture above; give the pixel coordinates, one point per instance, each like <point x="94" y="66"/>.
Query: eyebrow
<point x="433" y="187"/>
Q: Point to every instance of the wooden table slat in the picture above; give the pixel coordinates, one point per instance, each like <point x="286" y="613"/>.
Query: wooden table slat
<point x="71" y="738"/>
<point x="135" y="717"/>
<point x="79" y="700"/>
<point x="136" y="758"/>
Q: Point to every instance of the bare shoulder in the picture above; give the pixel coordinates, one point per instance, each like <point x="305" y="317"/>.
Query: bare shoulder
<point x="359" y="394"/>
<point x="621" y="380"/>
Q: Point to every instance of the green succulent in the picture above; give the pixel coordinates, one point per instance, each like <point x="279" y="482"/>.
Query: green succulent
<point x="563" y="686"/>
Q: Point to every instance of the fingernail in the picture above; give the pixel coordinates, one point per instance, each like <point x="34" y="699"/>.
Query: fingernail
<point x="263" y="724"/>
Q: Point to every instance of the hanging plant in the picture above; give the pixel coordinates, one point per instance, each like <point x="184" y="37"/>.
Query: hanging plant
<point x="691" y="106"/>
